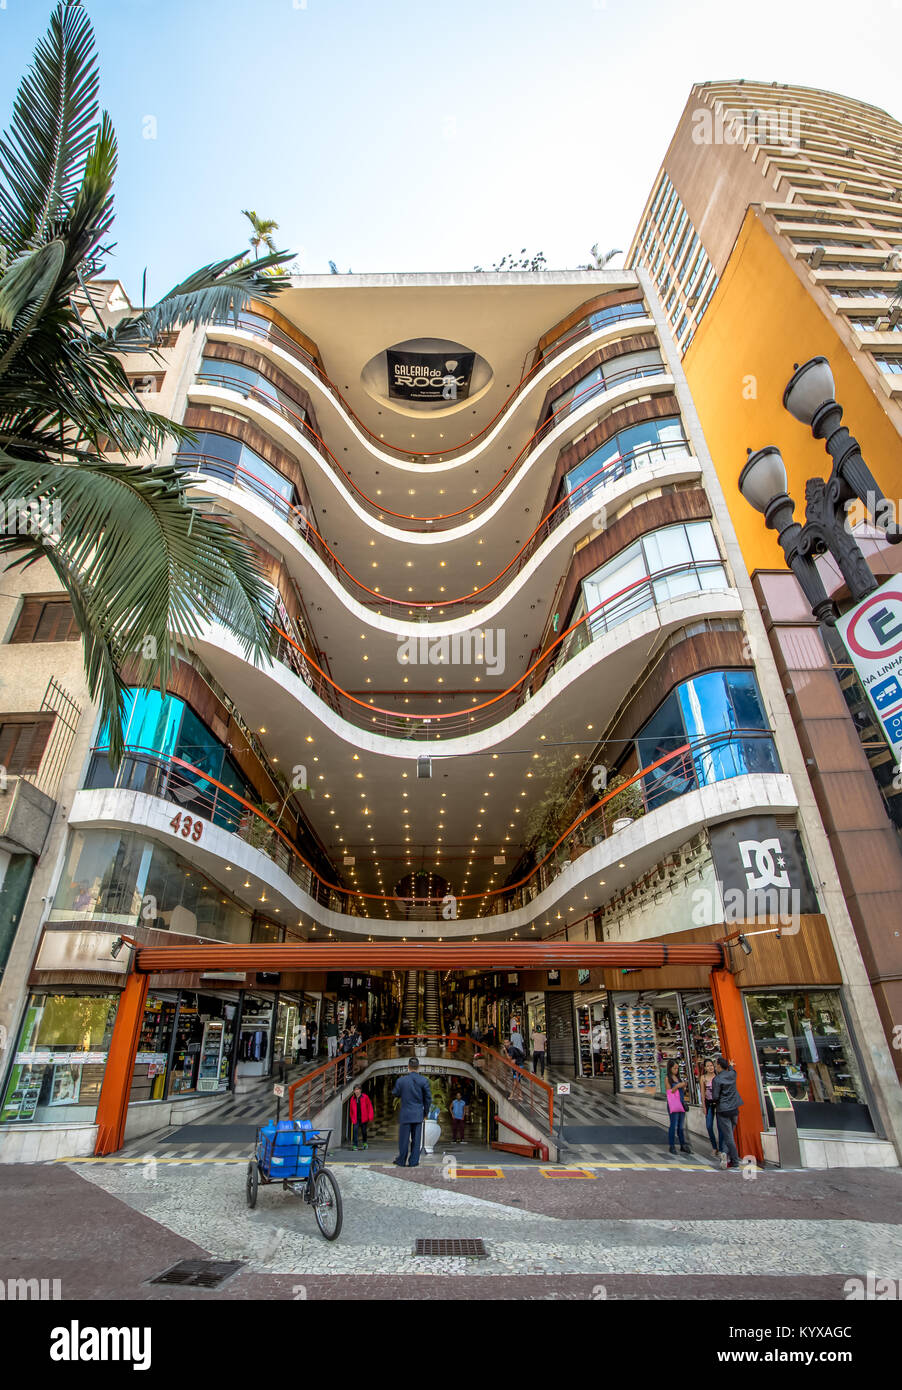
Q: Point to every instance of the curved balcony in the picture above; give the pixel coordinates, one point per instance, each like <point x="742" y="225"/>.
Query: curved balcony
<point x="612" y="484"/>
<point x="704" y="781"/>
<point x="594" y="328"/>
<point x="298" y="435"/>
<point x="568" y="657"/>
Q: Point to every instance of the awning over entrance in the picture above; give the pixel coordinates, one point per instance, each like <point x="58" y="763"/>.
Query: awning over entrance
<point x="321" y="955"/>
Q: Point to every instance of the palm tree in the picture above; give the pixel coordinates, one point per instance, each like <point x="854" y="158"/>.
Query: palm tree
<point x="262" y="229"/>
<point x="598" y="262"/>
<point x="142" y="564"/>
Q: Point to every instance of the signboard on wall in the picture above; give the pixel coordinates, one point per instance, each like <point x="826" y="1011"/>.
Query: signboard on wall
<point x="81" y="950"/>
<point x="761" y="869"/>
<point x="872" y="633"/>
<point x="429" y="376"/>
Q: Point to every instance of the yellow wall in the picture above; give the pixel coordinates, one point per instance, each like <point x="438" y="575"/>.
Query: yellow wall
<point x="760" y="321"/>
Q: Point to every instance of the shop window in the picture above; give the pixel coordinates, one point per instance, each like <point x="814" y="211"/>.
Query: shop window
<point x="802" y="1043"/>
<point x="149" y="1075"/>
<point x="60" y="1057"/>
<point x="46" y="620"/>
<point x="204" y="1043"/>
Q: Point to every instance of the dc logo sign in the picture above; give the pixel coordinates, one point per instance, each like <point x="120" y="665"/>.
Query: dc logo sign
<point x="770" y="863"/>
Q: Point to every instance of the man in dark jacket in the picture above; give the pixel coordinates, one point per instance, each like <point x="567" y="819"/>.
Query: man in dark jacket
<point x="727" y="1101"/>
<point x="416" y="1098"/>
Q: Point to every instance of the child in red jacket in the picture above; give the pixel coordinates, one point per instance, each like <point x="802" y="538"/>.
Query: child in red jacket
<point x="361" y="1113"/>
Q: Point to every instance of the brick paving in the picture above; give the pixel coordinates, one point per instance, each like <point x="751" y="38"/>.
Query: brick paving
<point x="104" y="1230"/>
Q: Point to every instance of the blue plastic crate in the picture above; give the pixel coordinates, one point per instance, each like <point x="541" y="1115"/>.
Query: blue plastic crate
<point x="283" y="1149"/>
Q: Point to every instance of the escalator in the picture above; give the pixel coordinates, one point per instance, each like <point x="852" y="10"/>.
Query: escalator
<point x="410" y="1004"/>
<point x="432" y="1009"/>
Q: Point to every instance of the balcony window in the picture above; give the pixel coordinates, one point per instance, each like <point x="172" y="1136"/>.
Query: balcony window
<point x="721" y="716"/>
<point x="235" y="376"/>
<point x="122" y="878"/>
<point x="156" y="729"/>
<point x="230" y="460"/>
<point x="622" y="368"/>
<point x="649" y="442"/>
<point x="664" y="564"/>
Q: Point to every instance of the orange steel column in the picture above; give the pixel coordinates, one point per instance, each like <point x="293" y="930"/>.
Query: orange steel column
<point x="736" y="1047"/>
<point x="112" y="1107"/>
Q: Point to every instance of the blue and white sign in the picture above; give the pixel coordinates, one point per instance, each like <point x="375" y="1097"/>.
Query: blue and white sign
<point x="872" y="633"/>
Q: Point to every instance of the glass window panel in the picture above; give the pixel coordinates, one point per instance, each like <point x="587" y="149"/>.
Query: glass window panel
<point x="664" y="734"/>
<point x="102" y="877"/>
<point x="621" y="573"/>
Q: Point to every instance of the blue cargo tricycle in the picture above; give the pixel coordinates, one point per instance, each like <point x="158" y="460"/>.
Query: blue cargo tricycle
<point x="293" y="1153"/>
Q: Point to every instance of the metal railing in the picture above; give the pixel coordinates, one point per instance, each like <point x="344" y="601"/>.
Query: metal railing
<point x="409" y="521"/>
<point x="270" y="333"/>
<point x="533" y="1097"/>
<point x="609" y="613"/>
<point x="197" y="794"/>
<point x="611" y="471"/>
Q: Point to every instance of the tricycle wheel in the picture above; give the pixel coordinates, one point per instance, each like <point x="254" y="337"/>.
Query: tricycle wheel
<point x="327" y="1204"/>
<point x="252" y="1184"/>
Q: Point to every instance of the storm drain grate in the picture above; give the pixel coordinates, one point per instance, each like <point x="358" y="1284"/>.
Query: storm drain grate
<point x="469" y="1249"/>
<point x="199" y="1274"/>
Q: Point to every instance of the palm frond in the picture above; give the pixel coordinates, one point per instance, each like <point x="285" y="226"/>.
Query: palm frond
<point x="42" y="155"/>
<point x="213" y="293"/>
<point x="141" y="560"/>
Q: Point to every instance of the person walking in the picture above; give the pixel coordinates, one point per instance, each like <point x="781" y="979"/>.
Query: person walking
<point x="726" y="1100"/>
<point x="458" y="1119"/>
<point x="360" y="1113"/>
<point x="490" y="1036"/>
<point x="415" y="1095"/>
<point x="676" y="1104"/>
<point x="706" y="1086"/>
<point x="311" y="1039"/>
<point x="330" y="1032"/>
<point x="350" y="1039"/>
<point x="518" y="1057"/>
<point x="517" y="1043"/>
<point x="538" y="1041"/>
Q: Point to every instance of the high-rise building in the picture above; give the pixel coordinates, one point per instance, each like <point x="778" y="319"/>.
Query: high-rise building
<point x="773" y="234"/>
<point x="518" y="691"/>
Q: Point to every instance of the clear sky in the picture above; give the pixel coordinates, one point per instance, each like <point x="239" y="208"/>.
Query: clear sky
<point x="393" y="136"/>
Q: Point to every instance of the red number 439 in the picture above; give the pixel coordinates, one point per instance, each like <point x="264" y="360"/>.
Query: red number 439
<point x="188" y="826"/>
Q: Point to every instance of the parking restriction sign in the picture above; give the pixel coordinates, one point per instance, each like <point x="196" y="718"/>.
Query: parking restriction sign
<point x="872" y="633"/>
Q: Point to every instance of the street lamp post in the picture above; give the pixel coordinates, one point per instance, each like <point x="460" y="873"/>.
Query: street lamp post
<point x="763" y="483"/>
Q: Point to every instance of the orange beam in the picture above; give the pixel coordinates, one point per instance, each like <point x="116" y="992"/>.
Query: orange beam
<point x="112" y="1107"/>
<point x="736" y="1047"/>
<point x="316" y="955"/>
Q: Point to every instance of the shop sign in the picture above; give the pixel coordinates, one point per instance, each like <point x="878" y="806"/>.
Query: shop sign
<point x="563" y="1088"/>
<point x="429" y="376"/>
<point x="872" y="633"/>
<point x="761" y="870"/>
<point x="81" y="950"/>
<point x="150" y="1058"/>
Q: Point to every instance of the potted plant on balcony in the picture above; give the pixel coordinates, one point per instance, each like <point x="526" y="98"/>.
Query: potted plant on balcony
<point x="625" y="807"/>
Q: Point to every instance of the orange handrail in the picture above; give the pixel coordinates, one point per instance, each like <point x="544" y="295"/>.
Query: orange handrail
<point x="579" y="331"/>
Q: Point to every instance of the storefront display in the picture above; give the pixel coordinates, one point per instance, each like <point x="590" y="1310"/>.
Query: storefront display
<point x="669" y="1038"/>
<point x="595" y="1057"/>
<point x="702" y="1034"/>
<point x="802" y="1043"/>
<point x="255" y="1053"/>
<point x="636" y="1051"/>
<point x="60" y="1057"/>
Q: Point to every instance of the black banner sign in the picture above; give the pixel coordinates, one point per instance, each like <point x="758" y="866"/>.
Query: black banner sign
<point x="765" y="863"/>
<point x="429" y="376"/>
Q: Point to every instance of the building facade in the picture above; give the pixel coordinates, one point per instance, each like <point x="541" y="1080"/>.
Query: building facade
<point x="793" y="199"/>
<point x="519" y="688"/>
